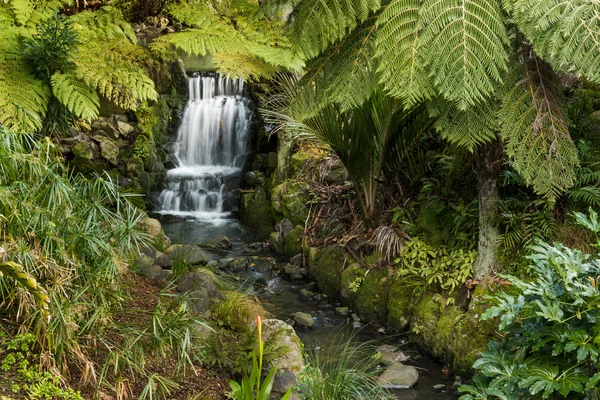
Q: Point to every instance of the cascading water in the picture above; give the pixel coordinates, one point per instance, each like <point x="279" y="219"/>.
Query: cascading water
<point x="210" y="150"/>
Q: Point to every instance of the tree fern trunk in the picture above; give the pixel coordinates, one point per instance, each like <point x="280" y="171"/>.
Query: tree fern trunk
<point x="284" y="150"/>
<point x="487" y="163"/>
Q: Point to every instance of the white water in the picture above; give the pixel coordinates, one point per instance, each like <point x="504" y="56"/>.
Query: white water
<point x="210" y="149"/>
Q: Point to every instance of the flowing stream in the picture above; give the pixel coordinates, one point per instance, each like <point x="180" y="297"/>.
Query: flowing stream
<point x="210" y="149"/>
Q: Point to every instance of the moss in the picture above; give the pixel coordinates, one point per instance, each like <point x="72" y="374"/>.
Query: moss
<point x="293" y="242"/>
<point x="289" y="201"/>
<point x="401" y="305"/>
<point x="348" y="279"/>
<point x="372" y="300"/>
<point x="312" y="258"/>
<point x="256" y="212"/>
<point x="83" y="150"/>
<point x="328" y="269"/>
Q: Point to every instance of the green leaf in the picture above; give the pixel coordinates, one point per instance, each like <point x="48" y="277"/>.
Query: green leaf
<point x="76" y="96"/>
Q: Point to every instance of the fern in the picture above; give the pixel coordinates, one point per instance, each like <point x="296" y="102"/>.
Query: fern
<point x="468" y="128"/>
<point x="565" y="32"/>
<point x="242" y="66"/>
<point x="78" y="97"/>
<point x="465" y="42"/>
<point x="535" y="129"/>
<point x="400" y="54"/>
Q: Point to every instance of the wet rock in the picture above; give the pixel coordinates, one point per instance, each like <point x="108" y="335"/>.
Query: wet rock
<point x="303" y="320"/>
<point x="355" y="317"/>
<point x="372" y="300"/>
<point x="297" y="260"/>
<point x="440" y="387"/>
<point x="342" y="310"/>
<point x="237" y="265"/>
<point x="390" y="355"/>
<point x="187" y="253"/>
<point x="260" y="282"/>
<point x="256" y="212"/>
<point x="305" y="295"/>
<point x="399" y="375"/>
<point x="356" y="325"/>
<point x="251" y="179"/>
<point x="258" y="245"/>
<point x="220" y="243"/>
<point x="327" y="272"/>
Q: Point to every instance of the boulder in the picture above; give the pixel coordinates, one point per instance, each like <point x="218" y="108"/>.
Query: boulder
<point x="187" y="253"/>
<point x="279" y="335"/>
<point x="252" y="179"/>
<point x="303" y="320"/>
<point x="398" y="376"/>
<point x="401" y="305"/>
<point x="143" y="262"/>
<point x="350" y="280"/>
<point x="297" y="260"/>
<point x="292" y="243"/>
<point x="290" y="200"/>
<point x="336" y="175"/>
<point x="220" y="243"/>
<point x="200" y="288"/>
<point x="256" y="212"/>
<point x="284" y="227"/>
<point x="102" y="127"/>
<point x="390" y="354"/>
<point x="83" y="150"/>
<point x="328" y="268"/>
<point x="371" y="303"/>
<point x="108" y="149"/>
<point x="124" y="128"/>
<point x="153" y="228"/>
<point x="151" y="271"/>
<point x="164" y="261"/>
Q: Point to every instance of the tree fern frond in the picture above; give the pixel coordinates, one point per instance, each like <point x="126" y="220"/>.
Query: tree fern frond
<point x="320" y="23"/>
<point x="242" y="66"/>
<point x="536" y="132"/>
<point x="210" y="39"/>
<point x="107" y="23"/>
<point x="399" y="51"/>
<point x="469" y="128"/>
<point x="346" y="70"/>
<point x="194" y="15"/>
<point x="589" y="195"/>
<point x="78" y="97"/>
<point x="466" y="48"/>
<point x="22" y="10"/>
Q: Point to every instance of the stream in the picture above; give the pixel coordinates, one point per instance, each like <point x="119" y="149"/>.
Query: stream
<point x="199" y="202"/>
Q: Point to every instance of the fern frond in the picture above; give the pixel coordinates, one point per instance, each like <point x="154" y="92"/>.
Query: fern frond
<point x="78" y="97"/>
<point x="565" y="32"/>
<point x="22" y="10"/>
<point x="466" y="48"/>
<point x="536" y="132"/>
<point x="242" y="66"/>
<point x="399" y="51"/>
<point x="320" y="23"/>
<point x="23" y="99"/>
<point x="346" y="70"/>
<point x="107" y="23"/>
<point x="469" y="128"/>
<point x="210" y="39"/>
<point x="589" y="195"/>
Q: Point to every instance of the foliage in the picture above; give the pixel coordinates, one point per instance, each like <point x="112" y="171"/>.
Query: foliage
<point x="343" y="370"/>
<point x="237" y="311"/>
<point x="56" y="80"/>
<point x="550" y="331"/>
<point x="251" y="387"/>
<point x="23" y="373"/>
<point x="424" y="265"/>
<point x="28" y="282"/>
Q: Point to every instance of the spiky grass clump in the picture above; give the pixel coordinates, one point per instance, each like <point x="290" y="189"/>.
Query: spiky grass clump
<point x="345" y="370"/>
<point x="237" y="311"/>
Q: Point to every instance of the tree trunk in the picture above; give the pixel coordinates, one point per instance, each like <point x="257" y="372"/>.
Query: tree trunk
<point x="487" y="163"/>
<point x="284" y="150"/>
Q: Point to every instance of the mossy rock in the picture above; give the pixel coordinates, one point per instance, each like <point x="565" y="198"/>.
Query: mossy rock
<point x="289" y="201"/>
<point x="371" y="303"/>
<point x="329" y="267"/>
<point x="312" y="258"/>
<point x="424" y="322"/>
<point x="276" y="242"/>
<point x="86" y="166"/>
<point x="256" y="212"/>
<point x="293" y="242"/>
<point x="348" y="278"/>
<point x="83" y="150"/>
<point x="303" y="156"/>
<point x="401" y="305"/>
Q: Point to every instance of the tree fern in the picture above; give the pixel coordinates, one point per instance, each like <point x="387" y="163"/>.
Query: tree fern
<point x="400" y="54"/>
<point x="536" y="132"/>
<point x="243" y="66"/>
<point x="346" y="71"/>
<point x="565" y="32"/>
<point x="465" y="44"/>
<point x="78" y="97"/>
<point x="469" y="128"/>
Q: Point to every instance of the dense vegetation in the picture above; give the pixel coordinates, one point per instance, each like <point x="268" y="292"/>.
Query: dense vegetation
<point x="468" y="129"/>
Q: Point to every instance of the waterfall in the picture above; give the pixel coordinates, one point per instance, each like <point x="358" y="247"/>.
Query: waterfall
<point x="210" y="150"/>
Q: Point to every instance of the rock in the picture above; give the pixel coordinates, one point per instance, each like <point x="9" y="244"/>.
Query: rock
<point x="108" y="149"/>
<point x="102" y="127"/>
<point x="222" y="242"/>
<point x="153" y="228"/>
<point x="305" y="295"/>
<point x="272" y="160"/>
<point x="355" y="317"/>
<point x="164" y="261"/>
<point x="187" y="253"/>
<point x="440" y="387"/>
<point x="166" y="274"/>
<point x="276" y="242"/>
<point x="256" y="212"/>
<point x="201" y="290"/>
<point x="83" y="150"/>
<point x="151" y="271"/>
<point x="400" y="306"/>
<point x="292" y="243"/>
<point x="124" y="128"/>
<point x="143" y="261"/>
<point x="303" y="320"/>
<point x="327" y="272"/>
<point x="389" y="355"/>
<point x="225" y="261"/>
<point x="399" y="375"/>
<point x="342" y="310"/>
<point x="284" y="227"/>
<point x="283" y="381"/>
<point x="297" y="260"/>
<point x="337" y="174"/>
<point x="356" y="325"/>
<point x="290" y="201"/>
<point x="151" y="251"/>
<point x="251" y="179"/>
<point x="237" y="265"/>
<point x="350" y="280"/>
<point x="371" y="303"/>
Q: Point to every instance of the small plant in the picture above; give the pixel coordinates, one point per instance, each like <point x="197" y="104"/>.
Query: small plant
<point x="551" y="343"/>
<point x="251" y="387"/>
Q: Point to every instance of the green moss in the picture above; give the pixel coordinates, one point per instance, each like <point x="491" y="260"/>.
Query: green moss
<point x="401" y="305"/>
<point x="293" y="242"/>
<point x="372" y="300"/>
<point x="83" y="150"/>
<point x="328" y="269"/>
<point x="289" y="201"/>
<point x="312" y="258"/>
<point x="256" y="212"/>
<point x="276" y="242"/>
<point x="349" y="279"/>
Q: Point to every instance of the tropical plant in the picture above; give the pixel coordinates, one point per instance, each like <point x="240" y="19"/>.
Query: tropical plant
<point x="54" y="79"/>
<point x="550" y="344"/>
<point x="371" y="140"/>
<point x="252" y="386"/>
